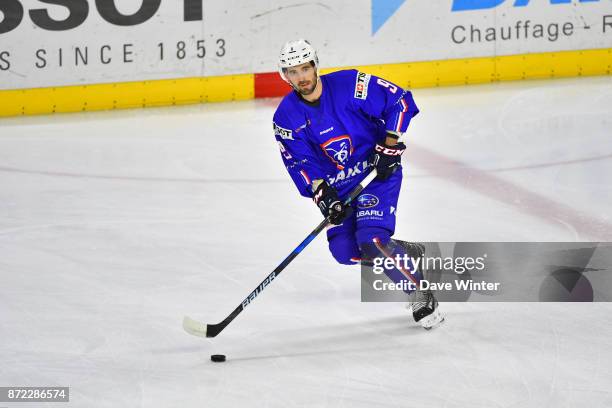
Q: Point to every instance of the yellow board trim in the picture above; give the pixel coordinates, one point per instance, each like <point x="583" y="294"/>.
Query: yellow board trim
<point x="493" y="69"/>
<point x="239" y="87"/>
<point x="123" y="95"/>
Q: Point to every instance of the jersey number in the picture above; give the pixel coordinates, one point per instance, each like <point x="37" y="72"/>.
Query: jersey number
<point x="284" y="151"/>
<point x="392" y="88"/>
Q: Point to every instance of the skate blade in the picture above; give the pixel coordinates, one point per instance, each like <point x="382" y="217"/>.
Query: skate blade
<point x="433" y="320"/>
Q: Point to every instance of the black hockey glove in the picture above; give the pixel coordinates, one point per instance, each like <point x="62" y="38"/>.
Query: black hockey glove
<point x="386" y="159"/>
<point x="326" y="198"/>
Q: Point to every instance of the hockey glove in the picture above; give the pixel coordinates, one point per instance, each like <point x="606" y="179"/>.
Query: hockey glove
<point x="387" y="159"/>
<point x="326" y="198"/>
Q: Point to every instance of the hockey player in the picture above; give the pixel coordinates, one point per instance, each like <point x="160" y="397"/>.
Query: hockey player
<point x="331" y="129"/>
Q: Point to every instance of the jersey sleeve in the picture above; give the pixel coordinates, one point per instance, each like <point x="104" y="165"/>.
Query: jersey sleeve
<point x="298" y="157"/>
<point x="385" y="101"/>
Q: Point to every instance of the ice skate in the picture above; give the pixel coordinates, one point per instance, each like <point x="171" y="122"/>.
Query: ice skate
<point x="425" y="309"/>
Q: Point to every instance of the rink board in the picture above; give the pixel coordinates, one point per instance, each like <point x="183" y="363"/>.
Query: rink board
<point x="183" y="91"/>
<point x="85" y="55"/>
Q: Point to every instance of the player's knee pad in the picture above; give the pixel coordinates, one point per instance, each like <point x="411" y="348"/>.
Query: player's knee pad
<point x="344" y="249"/>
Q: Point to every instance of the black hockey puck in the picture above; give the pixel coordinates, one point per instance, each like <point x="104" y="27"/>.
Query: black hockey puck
<point x="218" y="358"/>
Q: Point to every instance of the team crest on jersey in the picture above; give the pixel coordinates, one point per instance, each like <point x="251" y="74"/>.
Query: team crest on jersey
<point x="361" y="85"/>
<point x="286" y="134"/>
<point x="338" y="149"/>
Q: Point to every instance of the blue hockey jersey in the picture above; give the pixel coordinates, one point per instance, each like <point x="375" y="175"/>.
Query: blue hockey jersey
<point x="333" y="138"/>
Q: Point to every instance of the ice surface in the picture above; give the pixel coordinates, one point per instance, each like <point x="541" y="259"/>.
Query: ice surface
<point x="114" y="225"/>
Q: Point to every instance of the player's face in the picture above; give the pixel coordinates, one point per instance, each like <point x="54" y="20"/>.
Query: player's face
<point x="303" y="78"/>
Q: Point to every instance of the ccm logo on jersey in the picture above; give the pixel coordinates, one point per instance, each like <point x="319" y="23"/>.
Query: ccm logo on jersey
<point x="361" y="85"/>
<point x="389" y="152"/>
<point x="282" y="132"/>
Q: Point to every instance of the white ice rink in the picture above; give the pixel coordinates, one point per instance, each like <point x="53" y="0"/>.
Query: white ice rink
<point x="113" y="225"/>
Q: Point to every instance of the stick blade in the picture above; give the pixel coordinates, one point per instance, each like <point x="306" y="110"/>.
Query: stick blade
<point x="194" y="327"/>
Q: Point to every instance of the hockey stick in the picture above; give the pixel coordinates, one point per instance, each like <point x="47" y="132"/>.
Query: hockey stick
<point x="200" y="329"/>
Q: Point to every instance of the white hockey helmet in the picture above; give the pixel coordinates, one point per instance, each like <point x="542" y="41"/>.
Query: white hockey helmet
<point x="296" y="53"/>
